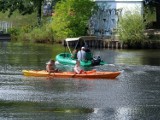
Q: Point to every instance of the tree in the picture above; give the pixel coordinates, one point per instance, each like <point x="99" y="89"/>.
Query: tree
<point x="156" y="4"/>
<point x="23" y="6"/>
<point x="71" y="17"/>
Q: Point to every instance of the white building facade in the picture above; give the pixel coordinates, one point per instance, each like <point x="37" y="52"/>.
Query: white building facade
<point x="105" y="20"/>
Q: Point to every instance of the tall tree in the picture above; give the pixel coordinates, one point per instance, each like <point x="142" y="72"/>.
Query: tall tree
<point x="71" y="17"/>
<point x="23" y="6"/>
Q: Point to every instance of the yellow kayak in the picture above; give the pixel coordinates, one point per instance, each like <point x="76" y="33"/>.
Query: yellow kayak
<point x="89" y="74"/>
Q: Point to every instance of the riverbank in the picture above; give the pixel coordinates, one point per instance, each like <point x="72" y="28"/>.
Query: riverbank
<point x="115" y="43"/>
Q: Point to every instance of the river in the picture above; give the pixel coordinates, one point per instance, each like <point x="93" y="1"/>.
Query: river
<point x="134" y="95"/>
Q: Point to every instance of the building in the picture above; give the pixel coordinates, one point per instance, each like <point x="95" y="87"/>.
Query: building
<point x="47" y="8"/>
<point x="105" y="20"/>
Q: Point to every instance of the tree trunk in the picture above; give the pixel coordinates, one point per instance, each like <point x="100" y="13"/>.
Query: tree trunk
<point x="39" y="12"/>
<point x="158" y="15"/>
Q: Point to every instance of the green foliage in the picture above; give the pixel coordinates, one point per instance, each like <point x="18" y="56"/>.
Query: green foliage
<point x="14" y="33"/>
<point x="71" y="17"/>
<point x="23" y="6"/>
<point x="131" y="28"/>
<point x="41" y="34"/>
<point x="19" y="20"/>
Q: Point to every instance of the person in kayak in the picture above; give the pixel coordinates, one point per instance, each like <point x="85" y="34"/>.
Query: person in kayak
<point x="50" y="66"/>
<point x="81" y="55"/>
<point x="77" y="68"/>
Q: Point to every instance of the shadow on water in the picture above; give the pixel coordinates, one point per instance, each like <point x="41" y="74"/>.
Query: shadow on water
<point x="19" y="106"/>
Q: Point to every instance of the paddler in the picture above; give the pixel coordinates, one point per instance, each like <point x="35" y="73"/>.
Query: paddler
<point x="50" y="66"/>
<point x="77" y="68"/>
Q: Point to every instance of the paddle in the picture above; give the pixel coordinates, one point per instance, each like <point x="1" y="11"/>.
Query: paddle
<point x="74" y="75"/>
<point x="82" y="72"/>
<point x="49" y="74"/>
<point x="53" y="71"/>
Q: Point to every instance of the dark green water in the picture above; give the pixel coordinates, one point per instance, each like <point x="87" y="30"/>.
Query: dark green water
<point x="134" y="95"/>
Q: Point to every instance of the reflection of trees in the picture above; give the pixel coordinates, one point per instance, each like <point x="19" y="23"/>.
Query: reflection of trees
<point x="3" y="55"/>
<point x="139" y="57"/>
<point x="29" y="54"/>
<point x="151" y="57"/>
<point x="24" y="55"/>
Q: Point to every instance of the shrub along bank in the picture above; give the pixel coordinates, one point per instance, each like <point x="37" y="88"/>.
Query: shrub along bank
<point x="132" y="32"/>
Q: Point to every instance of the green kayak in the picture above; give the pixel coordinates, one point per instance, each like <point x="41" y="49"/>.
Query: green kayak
<point x="65" y="58"/>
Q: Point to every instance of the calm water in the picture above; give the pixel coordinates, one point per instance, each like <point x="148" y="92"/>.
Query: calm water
<point x="134" y="95"/>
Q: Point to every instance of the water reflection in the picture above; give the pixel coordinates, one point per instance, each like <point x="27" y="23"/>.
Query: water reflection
<point x="130" y="57"/>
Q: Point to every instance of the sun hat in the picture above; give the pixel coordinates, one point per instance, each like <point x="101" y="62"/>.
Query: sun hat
<point x="83" y="48"/>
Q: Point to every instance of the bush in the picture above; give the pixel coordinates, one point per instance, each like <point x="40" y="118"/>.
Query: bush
<point x="41" y="35"/>
<point x="38" y="34"/>
<point x="131" y="29"/>
<point x="14" y="33"/>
